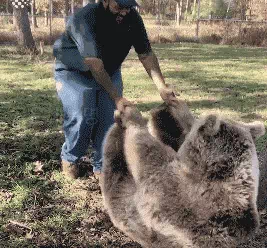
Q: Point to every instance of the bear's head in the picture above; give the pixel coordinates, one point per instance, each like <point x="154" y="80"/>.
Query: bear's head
<point x="217" y="149"/>
<point x="220" y="159"/>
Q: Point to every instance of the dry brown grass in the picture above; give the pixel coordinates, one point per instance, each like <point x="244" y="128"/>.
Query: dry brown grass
<point x="42" y="33"/>
<point x="215" y="32"/>
<point x="233" y="33"/>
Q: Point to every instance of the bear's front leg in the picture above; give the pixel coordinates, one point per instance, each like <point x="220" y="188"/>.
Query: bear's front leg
<point x="114" y="164"/>
<point x="144" y="154"/>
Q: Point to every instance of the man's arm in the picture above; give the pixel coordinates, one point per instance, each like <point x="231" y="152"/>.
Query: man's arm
<point x="151" y="64"/>
<point x="98" y="71"/>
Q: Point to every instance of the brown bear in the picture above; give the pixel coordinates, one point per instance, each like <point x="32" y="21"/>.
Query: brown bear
<point x="204" y="195"/>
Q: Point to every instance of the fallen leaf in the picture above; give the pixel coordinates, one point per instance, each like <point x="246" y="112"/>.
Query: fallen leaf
<point x="5" y="195"/>
<point x="29" y="235"/>
<point x="38" y="167"/>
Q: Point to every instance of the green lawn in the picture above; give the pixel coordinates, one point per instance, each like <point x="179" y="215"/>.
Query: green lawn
<point x="50" y="211"/>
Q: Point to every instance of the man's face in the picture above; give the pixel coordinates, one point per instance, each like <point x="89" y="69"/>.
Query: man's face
<point x="118" y="12"/>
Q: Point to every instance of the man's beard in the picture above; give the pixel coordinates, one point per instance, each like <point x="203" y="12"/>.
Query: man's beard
<point x="114" y="18"/>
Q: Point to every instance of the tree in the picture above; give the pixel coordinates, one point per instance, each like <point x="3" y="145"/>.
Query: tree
<point x="241" y="8"/>
<point x="24" y="33"/>
<point x="72" y="6"/>
<point x="33" y="12"/>
<point x="7" y="3"/>
<point x="42" y="6"/>
<point x="85" y="2"/>
<point x="178" y="15"/>
<point x="163" y="6"/>
<point x="148" y="6"/>
<point x="66" y="8"/>
<point x="187" y="8"/>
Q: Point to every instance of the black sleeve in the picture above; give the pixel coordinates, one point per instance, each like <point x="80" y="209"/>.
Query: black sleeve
<point x="82" y="33"/>
<point x="141" y="42"/>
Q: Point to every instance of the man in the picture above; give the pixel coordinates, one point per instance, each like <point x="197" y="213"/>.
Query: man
<point x="88" y="74"/>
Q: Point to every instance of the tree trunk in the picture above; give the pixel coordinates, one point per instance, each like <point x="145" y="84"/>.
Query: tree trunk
<point x="7" y="6"/>
<point x="72" y="6"/>
<point x="50" y="19"/>
<point x="24" y="33"/>
<point x="66" y="10"/>
<point x="158" y="11"/>
<point x="194" y="8"/>
<point x="46" y="18"/>
<point x="181" y="12"/>
<point x="198" y="17"/>
<point x="33" y="12"/>
<point x="228" y="8"/>
<point x="85" y="2"/>
<point x="14" y="19"/>
<point x="243" y="10"/>
<point x="178" y="12"/>
<point x="186" y="8"/>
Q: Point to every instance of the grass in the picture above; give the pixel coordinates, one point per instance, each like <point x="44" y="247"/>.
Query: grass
<point x="42" y="208"/>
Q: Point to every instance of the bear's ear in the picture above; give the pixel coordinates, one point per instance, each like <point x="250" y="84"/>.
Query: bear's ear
<point x="210" y="125"/>
<point x="256" y="129"/>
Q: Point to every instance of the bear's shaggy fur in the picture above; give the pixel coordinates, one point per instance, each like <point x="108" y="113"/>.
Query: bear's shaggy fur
<point x="204" y="195"/>
<point x="262" y="196"/>
<point x="171" y="124"/>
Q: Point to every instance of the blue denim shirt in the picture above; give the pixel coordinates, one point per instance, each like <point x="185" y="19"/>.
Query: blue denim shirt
<point x="92" y="32"/>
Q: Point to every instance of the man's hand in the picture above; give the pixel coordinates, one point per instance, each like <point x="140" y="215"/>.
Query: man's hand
<point x="168" y="95"/>
<point x="122" y="103"/>
<point x="130" y="116"/>
<point x="151" y="64"/>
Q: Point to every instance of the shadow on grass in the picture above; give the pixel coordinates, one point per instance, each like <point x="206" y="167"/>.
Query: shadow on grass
<point x="188" y="52"/>
<point x="208" y="82"/>
<point x="31" y="127"/>
<point x="247" y="106"/>
<point x="61" y="222"/>
<point x="41" y="204"/>
<point x="19" y="103"/>
<point x="237" y="103"/>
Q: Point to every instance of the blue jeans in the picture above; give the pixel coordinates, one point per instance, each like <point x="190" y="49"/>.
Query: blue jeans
<point x="88" y="113"/>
